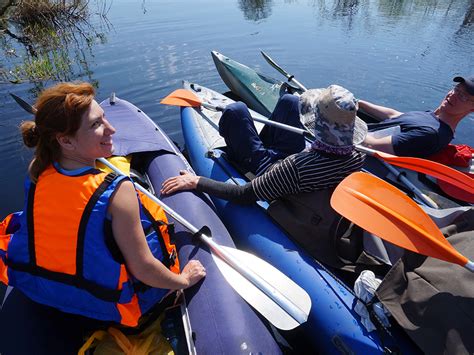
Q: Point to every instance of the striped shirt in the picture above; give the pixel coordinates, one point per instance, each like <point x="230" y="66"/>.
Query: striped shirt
<point x="304" y="172"/>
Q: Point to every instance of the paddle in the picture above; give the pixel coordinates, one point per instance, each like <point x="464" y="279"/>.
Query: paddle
<point x="387" y="212"/>
<point x="182" y="97"/>
<point x="24" y="105"/>
<point x="279" y="299"/>
<point x="291" y="78"/>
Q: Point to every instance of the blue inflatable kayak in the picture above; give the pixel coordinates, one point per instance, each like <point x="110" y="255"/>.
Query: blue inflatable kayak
<point x="333" y="326"/>
<point x="220" y="321"/>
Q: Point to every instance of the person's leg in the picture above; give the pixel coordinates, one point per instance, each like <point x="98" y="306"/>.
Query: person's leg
<point x="287" y="112"/>
<point x="243" y="143"/>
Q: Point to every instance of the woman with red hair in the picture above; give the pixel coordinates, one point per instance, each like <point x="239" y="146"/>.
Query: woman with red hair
<point x="86" y="241"/>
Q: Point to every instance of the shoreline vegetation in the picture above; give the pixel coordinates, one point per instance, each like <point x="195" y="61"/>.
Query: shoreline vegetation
<point x="46" y="40"/>
<point x="52" y="40"/>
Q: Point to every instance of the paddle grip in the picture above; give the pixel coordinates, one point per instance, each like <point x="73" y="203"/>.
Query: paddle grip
<point x="204" y="231"/>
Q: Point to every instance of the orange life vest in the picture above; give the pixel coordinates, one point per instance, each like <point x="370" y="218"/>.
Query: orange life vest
<point x="60" y="250"/>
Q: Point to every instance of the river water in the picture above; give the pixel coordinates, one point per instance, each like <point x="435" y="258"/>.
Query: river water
<point x="402" y="54"/>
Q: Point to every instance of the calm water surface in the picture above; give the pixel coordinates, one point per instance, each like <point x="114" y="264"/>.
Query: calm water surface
<point x="397" y="53"/>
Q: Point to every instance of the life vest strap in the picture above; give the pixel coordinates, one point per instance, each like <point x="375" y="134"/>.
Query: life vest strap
<point x="168" y="259"/>
<point x="99" y="291"/>
<point x="85" y="219"/>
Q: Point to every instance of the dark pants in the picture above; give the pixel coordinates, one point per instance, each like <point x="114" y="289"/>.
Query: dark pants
<point x="257" y="152"/>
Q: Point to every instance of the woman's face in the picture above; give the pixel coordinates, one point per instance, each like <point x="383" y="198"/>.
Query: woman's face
<point x="93" y="139"/>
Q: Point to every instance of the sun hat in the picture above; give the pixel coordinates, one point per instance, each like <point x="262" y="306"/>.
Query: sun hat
<point x="331" y="114"/>
<point x="469" y="82"/>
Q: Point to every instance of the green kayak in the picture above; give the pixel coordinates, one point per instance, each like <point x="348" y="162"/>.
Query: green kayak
<point x="258" y="91"/>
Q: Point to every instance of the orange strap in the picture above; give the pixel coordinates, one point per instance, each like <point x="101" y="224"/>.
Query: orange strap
<point x="4" y="240"/>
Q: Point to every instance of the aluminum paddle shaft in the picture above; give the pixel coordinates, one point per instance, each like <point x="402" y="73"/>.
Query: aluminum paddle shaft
<point x="296" y="313"/>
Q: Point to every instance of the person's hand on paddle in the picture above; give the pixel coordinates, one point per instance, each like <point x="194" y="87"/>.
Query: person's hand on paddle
<point x="193" y="272"/>
<point x="185" y="181"/>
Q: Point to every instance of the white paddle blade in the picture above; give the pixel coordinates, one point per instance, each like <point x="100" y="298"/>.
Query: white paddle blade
<point x="258" y="299"/>
<point x="7" y="292"/>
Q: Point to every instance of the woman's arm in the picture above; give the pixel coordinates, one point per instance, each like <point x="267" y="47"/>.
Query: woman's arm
<point x="128" y="233"/>
<point x="243" y="194"/>
<point x="379" y="112"/>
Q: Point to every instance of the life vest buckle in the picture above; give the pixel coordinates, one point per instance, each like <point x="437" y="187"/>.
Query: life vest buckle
<point x="173" y="256"/>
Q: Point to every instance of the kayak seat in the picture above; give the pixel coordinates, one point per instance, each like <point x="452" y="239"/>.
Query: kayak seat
<point x="309" y="220"/>
<point x="321" y="231"/>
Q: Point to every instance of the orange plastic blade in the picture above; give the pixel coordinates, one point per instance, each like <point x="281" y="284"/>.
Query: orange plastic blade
<point x="439" y="171"/>
<point x="385" y="211"/>
<point x="182" y="97"/>
<point x="456" y="192"/>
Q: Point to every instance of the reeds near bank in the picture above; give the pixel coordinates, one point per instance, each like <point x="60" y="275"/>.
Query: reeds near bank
<point x="50" y="12"/>
<point x="51" y="40"/>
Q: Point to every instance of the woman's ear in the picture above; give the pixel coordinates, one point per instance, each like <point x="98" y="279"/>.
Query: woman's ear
<point x="65" y="142"/>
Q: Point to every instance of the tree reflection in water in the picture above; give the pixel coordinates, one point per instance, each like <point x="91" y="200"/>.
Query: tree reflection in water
<point x="51" y="40"/>
<point x="256" y="10"/>
<point x="469" y="18"/>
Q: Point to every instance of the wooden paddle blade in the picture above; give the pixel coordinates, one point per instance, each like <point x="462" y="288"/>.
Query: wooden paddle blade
<point x="385" y="211"/>
<point x="264" y="304"/>
<point x="182" y="98"/>
<point x="428" y="167"/>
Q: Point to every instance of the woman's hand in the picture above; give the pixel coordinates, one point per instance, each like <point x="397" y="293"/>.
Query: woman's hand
<point x="193" y="272"/>
<point x="185" y="181"/>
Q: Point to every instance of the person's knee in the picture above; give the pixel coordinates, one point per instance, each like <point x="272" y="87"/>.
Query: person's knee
<point x="287" y="105"/>
<point x="289" y="100"/>
<point x="235" y="114"/>
<point x="238" y="109"/>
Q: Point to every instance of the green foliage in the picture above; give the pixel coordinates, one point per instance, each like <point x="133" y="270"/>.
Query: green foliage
<point x="50" y="12"/>
<point x="51" y="40"/>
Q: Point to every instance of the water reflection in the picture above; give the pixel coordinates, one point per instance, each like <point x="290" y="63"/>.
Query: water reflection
<point x="402" y="8"/>
<point x="346" y="7"/>
<point x="469" y="18"/>
<point x="256" y="10"/>
<point x="51" y="40"/>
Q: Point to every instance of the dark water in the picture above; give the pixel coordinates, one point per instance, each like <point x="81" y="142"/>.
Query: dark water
<point x="397" y="53"/>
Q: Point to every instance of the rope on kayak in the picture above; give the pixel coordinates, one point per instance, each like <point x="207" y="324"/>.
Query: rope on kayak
<point x="215" y="157"/>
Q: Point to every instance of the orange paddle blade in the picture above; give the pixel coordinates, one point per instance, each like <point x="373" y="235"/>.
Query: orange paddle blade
<point x="385" y="211"/>
<point x="182" y="97"/>
<point x="428" y="167"/>
<point x="454" y="191"/>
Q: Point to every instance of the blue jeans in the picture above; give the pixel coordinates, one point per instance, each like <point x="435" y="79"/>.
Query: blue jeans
<point x="256" y="152"/>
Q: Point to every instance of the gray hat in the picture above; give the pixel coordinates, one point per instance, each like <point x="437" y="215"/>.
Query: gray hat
<point x="469" y="82"/>
<point x="331" y="112"/>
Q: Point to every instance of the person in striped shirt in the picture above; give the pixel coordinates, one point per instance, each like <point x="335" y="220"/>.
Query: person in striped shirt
<point x="330" y="112"/>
